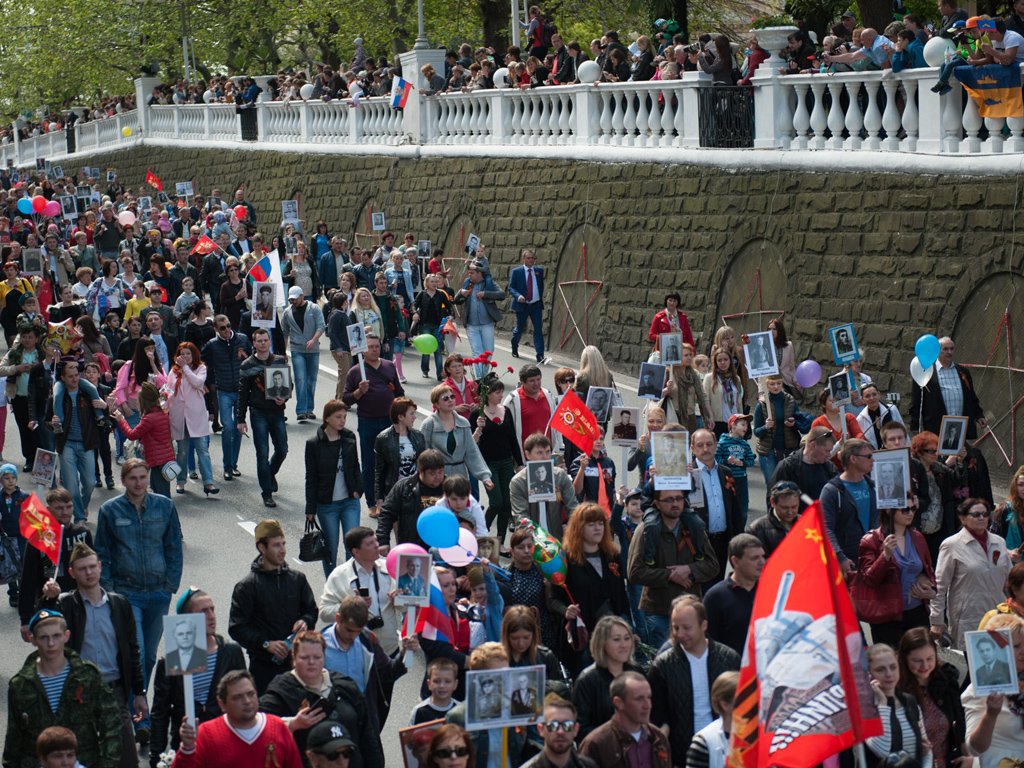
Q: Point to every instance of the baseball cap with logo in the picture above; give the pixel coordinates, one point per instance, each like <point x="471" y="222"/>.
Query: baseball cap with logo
<point x="327" y="737"/>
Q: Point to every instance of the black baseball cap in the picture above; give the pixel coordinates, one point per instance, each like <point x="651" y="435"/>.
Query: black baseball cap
<point x="327" y="737"/>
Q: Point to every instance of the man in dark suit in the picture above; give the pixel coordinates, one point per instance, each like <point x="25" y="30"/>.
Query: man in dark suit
<point x="992" y="670"/>
<point x="187" y="657"/>
<point x="526" y="287"/>
<point x="949" y="393"/>
<point x="625" y="429"/>
<point x="716" y="502"/>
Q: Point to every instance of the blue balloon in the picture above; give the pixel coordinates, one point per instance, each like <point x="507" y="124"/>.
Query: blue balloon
<point x="927" y="350"/>
<point x="25" y="206"/>
<point x="439" y="527"/>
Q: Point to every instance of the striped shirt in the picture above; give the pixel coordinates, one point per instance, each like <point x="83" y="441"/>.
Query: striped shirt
<point x="54" y="685"/>
<point x="201" y="681"/>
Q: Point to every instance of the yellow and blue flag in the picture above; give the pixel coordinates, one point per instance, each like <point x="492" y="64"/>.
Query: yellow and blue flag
<point x="995" y="89"/>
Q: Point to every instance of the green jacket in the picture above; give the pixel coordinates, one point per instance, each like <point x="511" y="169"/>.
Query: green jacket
<point x="86" y="707"/>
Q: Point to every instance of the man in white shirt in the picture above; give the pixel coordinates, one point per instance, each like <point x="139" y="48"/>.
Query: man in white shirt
<point x="1007" y="46"/>
<point x="365" y="574"/>
<point x="681" y="677"/>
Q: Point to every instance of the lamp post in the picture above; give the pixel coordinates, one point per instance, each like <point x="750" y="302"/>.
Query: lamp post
<point x="421" y="38"/>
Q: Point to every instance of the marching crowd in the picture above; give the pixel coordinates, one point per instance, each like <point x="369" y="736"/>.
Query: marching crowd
<point x="146" y="337"/>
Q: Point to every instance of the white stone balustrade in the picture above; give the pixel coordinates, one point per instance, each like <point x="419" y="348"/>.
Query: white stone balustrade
<point x="852" y="111"/>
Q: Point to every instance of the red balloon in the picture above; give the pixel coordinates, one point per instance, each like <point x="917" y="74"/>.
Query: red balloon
<point x="38" y="203"/>
<point x="240" y="212"/>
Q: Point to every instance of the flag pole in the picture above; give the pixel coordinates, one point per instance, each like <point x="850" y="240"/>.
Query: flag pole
<point x="408" y="659"/>
<point x="190" y="699"/>
<point x="60" y="551"/>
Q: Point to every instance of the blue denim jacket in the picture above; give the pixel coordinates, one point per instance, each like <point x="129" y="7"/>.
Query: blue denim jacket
<point x="139" y="552"/>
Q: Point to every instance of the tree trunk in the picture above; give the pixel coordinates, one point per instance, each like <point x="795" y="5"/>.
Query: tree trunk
<point x="496" y="19"/>
<point x="680" y="13"/>
<point x="875" y="14"/>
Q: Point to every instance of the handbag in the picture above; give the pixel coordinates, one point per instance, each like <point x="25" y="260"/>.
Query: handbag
<point x="871" y="603"/>
<point x="312" y="546"/>
<point x="171" y="471"/>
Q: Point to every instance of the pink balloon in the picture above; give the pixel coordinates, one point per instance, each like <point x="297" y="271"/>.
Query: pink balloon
<point x="391" y="562"/>
<point x="126" y="218"/>
<point x="462" y="553"/>
<point x="52" y="208"/>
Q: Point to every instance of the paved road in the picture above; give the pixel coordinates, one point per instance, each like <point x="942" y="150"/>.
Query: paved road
<point x="218" y="532"/>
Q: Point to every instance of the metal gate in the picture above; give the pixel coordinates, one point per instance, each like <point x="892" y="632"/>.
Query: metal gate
<point x="726" y="116"/>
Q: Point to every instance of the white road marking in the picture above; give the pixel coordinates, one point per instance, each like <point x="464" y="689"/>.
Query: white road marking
<point x="248" y="526"/>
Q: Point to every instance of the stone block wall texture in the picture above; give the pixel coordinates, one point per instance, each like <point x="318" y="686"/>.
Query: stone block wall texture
<point x="896" y="255"/>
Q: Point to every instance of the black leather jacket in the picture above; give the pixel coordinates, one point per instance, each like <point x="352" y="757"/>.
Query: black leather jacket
<point x="388" y="459"/>
<point x="322" y="467"/>
<point x="121" y="616"/>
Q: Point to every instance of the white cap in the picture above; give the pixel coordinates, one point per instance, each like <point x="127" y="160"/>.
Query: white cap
<point x="295" y="292"/>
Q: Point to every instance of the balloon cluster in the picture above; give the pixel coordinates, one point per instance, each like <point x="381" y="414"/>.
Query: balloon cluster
<point x="547" y="554"/>
<point x="439" y="527"/>
<point x="926" y="352"/>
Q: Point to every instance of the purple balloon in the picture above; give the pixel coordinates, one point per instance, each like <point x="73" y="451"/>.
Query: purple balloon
<point x="808" y="373"/>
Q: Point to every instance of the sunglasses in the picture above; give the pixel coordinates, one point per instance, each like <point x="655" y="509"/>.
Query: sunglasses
<point x="447" y="397"/>
<point x="224" y="327"/>
<point x="978" y="515"/>
<point x="560" y="725"/>
<point x="346" y="752"/>
<point x="447" y="753"/>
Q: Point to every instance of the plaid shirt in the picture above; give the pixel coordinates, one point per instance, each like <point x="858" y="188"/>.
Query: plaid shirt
<point x="951" y="389"/>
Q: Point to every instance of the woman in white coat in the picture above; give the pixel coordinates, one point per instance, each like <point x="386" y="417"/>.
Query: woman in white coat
<point x="186" y="406"/>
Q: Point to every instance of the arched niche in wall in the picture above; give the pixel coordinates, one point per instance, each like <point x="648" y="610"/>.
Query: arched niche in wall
<point x="362" y="225"/>
<point x="576" y="293"/>
<point x="454" y="244"/>
<point x="987" y="334"/>
<point x="754" y="289"/>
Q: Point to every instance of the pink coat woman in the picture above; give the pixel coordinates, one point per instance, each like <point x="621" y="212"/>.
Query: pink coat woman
<point x="186" y="403"/>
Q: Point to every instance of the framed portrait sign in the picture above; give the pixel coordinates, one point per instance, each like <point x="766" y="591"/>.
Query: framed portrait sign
<point x="991" y="661"/>
<point x="652" y="380"/>
<point x="413" y="580"/>
<point x="32" y="261"/>
<point x="356" y="338"/>
<point x="377" y="221"/>
<point x="623" y="424"/>
<point x="289" y="212"/>
<point x="185" y="644"/>
<point x="952" y="435"/>
<point x="44" y="466"/>
<point x="504" y="698"/>
<point x="891" y="475"/>
<point x="840" y="386"/>
<point x="759" y="351"/>
<point x="183" y="189"/>
<point x="844" y="344"/>
<point x="671" y="452"/>
<point x="278" y="381"/>
<point x="540" y="480"/>
<point x="68" y="207"/>
<point x="599" y="400"/>
<point x="264" y="305"/>
<point x="671" y="347"/>
<point x="416" y="740"/>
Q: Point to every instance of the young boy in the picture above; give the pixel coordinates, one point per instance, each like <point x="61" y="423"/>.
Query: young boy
<point x="92" y="375"/>
<point x="735" y="454"/>
<point x="442" y="679"/>
<point x="11" y="497"/>
<point x="484" y="607"/>
<point x="99" y="406"/>
<point x="30" y="315"/>
<point x="457" y="498"/>
<point x="587" y="471"/>
<point x="188" y="297"/>
<point x="627" y="514"/>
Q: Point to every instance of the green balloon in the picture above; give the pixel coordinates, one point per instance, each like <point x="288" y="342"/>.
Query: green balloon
<point x="425" y="343"/>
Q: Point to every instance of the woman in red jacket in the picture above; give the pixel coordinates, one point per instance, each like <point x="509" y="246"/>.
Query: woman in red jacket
<point x="154" y="432"/>
<point x="896" y="578"/>
<point x="670" y="320"/>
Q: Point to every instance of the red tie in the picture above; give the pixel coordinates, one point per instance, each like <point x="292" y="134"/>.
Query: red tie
<point x="529" y="284"/>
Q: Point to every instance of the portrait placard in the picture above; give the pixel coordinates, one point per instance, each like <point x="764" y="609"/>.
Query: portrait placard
<point x="671" y="452"/>
<point x="540" y="480"/>
<point x="624" y="423"/>
<point x="991" y="660"/>
<point x="44" y="466"/>
<point x="952" y="435"/>
<point x="759" y="350"/>
<point x="840" y="386"/>
<point x="890" y="472"/>
<point x="844" y="344"/>
<point x="652" y="380"/>
<point x="413" y="580"/>
<point x="671" y="347"/>
<point x="503" y="698"/>
<point x="278" y="381"/>
<point x="185" y="644"/>
<point x="599" y="400"/>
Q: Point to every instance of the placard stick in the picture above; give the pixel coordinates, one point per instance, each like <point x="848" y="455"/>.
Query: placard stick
<point x="190" y="700"/>
<point x="362" y="367"/>
<point x="408" y="659"/>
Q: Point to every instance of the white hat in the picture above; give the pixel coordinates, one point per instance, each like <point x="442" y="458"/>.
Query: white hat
<point x="295" y="292"/>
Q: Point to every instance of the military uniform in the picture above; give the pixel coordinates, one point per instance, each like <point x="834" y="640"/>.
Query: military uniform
<point x="86" y="708"/>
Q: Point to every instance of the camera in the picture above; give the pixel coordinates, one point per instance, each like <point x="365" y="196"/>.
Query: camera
<point x="375" y="623"/>
<point x="692" y="48"/>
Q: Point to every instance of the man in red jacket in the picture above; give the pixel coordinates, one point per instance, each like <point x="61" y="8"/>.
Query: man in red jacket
<point x="267" y="740"/>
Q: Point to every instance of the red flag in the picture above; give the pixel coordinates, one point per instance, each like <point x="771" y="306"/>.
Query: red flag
<point x="574" y="421"/>
<point x="154" y="181"/>
<point x="803" y="691"/>
<point x="40" y="528"/>
<point x="204" y="246"/>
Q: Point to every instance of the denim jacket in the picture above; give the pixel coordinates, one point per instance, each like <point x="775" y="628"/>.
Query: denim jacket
<point x="140" y="552"/>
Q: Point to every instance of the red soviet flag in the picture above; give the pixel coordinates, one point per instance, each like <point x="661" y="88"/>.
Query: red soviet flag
<point x="803" y="692"/>
<point x="574" y="421"/>
<point x="40" y="528"/>
<point x="204" y="246"/>
<point x="154" y="181"/>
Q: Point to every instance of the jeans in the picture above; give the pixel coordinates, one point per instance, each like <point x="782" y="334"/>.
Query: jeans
<point x="657" y="630"/>
<point x="767" y="464"/>
<point x="946" y="70"/>
<point x="437" y="355"/>
<point x="336" y="519"/>
<point x="267" y="426"/>
<point x="306" y="366"/>
<point x="202" y="447"/>
<point x="368" y="431"/>
<point x="149" y="609"/>
<point x="78" y="475"/>
<point x="534" y="313"/>
<point x="481" y="339"/>
<point x="230" y="440"/>
<point x="634" y="591"/>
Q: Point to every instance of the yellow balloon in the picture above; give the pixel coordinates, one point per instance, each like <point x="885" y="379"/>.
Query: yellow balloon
<point x="126" y="131"/>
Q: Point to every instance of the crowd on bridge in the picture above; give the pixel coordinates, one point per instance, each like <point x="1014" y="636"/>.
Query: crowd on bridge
<point x="136" y="333"/>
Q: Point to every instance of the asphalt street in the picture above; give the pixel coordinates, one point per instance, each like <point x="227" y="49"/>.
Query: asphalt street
<point x="218" y="531"/>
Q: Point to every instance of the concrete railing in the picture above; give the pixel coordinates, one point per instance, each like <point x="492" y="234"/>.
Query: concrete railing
<point x="854" y="111"/>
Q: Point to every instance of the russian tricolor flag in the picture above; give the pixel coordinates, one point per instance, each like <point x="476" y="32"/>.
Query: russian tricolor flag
<point x="432" y="622"/>
<point x="268" y="270"/>
<point x="401" y="94"/>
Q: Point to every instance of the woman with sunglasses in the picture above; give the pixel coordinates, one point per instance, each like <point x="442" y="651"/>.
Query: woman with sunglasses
<point x="451" y="747"/>
<point x="452" y="435"/>
<point x="896" y="579"/>
<point x="970" y="573"/>
<point x="233" y="292"/>
<point x="938" y="520"/>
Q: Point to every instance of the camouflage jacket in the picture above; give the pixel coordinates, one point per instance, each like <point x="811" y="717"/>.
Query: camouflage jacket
<point x="86" y="707"/>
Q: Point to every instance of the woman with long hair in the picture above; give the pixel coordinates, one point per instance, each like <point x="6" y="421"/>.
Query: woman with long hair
<point x="186" y="406"/>
<point x="93" y="344"/>
<point x="723" y="391"/>
<point x="896" y="575"/>
<point x="153" y="431"/>
<point x="593" y="577"/>
<point x="1008" y="517"/>
<point x="936" y="687"/>
<point x="785" y="354"/>
<point x="903" y="728"/>
<point x="611" y="646"/>
<point x="527" y="584"/>
<point x="392" y="322"/>
<point x="725" y="340"/>
<point x="686" y="394"/>
<point x="300" y="270"/>
<point x="233" y="292"/>
<point x="520" y="634"/>
<point x="365" y="312"/>
<point x="143" y="367"/>
<point x="593" y="372"/>
<point x="130" y="338"/>
<point x="843" y="425"/>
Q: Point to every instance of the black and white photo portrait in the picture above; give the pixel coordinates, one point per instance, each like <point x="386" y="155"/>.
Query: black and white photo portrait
<point x="952" y="435"/>
<point x="760" y="354"/>
<point x="624" y="426"/>
<point x="599" y="400"/>
<point x="991" y="661"/>
<point x="890" y="472"/>
<point x="671" y="347"/>
<point x="844" y="344"/>
<point x="540" y="476"/>
<point x="278" y="381"/>
<point x="671" y="460"/>
<point x="652" y="380"/>
<point x="185" y="642"/>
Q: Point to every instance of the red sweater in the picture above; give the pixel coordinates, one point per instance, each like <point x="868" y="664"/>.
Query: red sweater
<point x="154" y="432"/>
<point x="217" y="744"/>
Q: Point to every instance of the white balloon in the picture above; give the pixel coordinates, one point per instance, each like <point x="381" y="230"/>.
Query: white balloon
<point x="921" y="376"/>
<point x="935" y="51"/>
<point x="499" y="77"/>
<point x="589" y="72"/>
<point x="306" y="91"/>
<point x="208" y="97"/>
